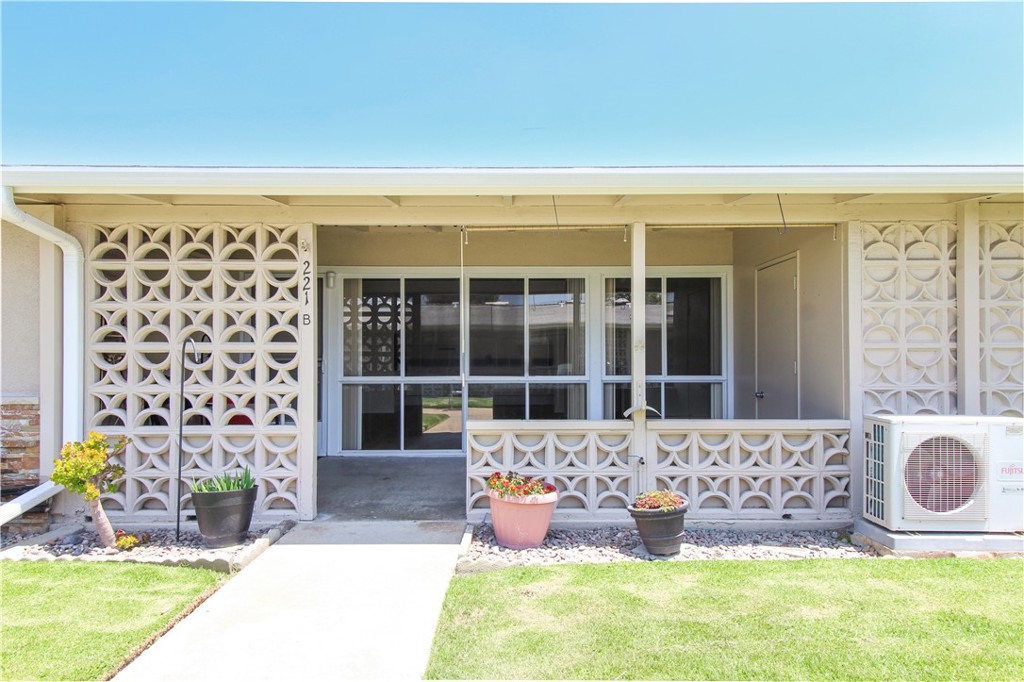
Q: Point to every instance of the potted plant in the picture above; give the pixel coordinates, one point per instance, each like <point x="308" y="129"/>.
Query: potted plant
<point x="659" y="516"/>
<point x="520" y="509"/>
<point x="223" y="506"/>
<point x="84" y="467"/>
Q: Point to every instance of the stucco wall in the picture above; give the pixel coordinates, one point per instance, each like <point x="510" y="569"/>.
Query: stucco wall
<point x="822" y="315"/>
<point x="339" y="246"/>
<point x="19" y="312"/>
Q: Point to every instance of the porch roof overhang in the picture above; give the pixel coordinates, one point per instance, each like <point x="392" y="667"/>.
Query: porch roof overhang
<point x="845" y="183"/>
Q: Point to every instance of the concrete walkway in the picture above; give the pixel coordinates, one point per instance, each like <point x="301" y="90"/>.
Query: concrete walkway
<point x="342" y="601"/>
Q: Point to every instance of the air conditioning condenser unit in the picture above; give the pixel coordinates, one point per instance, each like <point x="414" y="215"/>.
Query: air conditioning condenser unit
<point x="944" y="473"/>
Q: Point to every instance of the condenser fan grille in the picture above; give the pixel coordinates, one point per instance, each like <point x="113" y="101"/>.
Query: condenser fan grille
<point x="944" y="474"/>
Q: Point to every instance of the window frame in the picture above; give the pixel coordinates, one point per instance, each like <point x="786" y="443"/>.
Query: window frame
<point x="595" y="378"/>
<point x="726" y="379"/>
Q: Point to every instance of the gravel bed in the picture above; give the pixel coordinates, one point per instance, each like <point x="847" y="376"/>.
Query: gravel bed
<point x="159" y="546"/>
<point x="8" y="539"/>
<point x="604" y="545"/>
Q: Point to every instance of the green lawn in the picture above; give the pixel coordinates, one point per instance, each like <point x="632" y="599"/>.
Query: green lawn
<point x="433" y="419"/>
<point x="77" y="621"/>
<point x="455" y="402"/>
<point x="737" y="620"/>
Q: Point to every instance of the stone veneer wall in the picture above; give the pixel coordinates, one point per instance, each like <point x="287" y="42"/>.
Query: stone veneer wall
<point x="19" y="457"/>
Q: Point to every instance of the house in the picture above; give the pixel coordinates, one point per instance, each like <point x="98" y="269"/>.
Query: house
<point x="720" y="331"/>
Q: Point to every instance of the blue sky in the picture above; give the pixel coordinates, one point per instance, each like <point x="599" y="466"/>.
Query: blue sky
<point x="512" y="85"/>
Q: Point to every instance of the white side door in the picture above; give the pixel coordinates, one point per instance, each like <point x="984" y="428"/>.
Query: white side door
<point x="777" y="310"/>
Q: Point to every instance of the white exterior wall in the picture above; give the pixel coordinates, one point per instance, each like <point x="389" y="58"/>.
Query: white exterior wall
<point x="19" y="315"/>
<point x="822" y="312"/>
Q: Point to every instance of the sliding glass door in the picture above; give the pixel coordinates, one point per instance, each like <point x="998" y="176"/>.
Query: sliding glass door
<point x="421" y="355"/>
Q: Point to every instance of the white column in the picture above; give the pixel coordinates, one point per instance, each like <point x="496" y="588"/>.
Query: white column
<point x="638" y="338"/>
<point x="855" y="361"/>
<point x="307" y="373"/>
<point x="968" y="313"/>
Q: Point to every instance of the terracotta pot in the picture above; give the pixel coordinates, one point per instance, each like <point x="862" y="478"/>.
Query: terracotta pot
<point x="660" y="530"/>
<point x="521" y="522"/>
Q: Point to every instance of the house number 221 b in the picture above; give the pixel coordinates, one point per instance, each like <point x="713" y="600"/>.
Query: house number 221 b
<point x="307" y="285"/>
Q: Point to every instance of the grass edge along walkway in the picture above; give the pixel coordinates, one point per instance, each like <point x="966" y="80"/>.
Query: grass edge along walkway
<point x="82" y="621"/>
<point x="737" y="620"/>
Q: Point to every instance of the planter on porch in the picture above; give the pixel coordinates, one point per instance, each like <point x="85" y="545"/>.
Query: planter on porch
<point x="520" y="509"/>
<point x="223" y="507"/>
<point x="659" y="517"/>
<point x="521" y="522"/>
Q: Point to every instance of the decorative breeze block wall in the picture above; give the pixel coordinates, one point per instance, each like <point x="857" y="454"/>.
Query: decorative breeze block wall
<point x="754" y="471"/>
<point x="588" y="462"/>
<point x="234" y="289"/>
<point x="909" y="317"/>
<point x="1002" y="318"/>
<point x="739" y="470"/>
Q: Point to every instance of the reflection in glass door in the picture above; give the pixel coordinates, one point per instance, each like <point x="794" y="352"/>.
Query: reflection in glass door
<point x="400" y="378"/>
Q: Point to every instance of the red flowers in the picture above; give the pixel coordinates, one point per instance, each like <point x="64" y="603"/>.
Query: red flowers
<point x="517" y="485"/>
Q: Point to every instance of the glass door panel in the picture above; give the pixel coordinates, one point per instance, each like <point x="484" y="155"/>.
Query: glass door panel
<point x="432" y="327"/>
<point x="372" y="327"/>
<point x="496" y="323"/>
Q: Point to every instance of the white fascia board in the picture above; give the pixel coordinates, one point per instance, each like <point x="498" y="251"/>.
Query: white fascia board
<point x="512" y="181"/>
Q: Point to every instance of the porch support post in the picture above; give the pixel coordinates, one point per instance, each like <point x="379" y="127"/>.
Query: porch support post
<point x="968" y="313"/>
<point x="638" y="338"/>
<point x="855" y="361"/>
<point x="307" y="450"/>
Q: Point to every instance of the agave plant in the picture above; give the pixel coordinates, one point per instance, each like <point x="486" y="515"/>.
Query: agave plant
<point x="227" y="481"/>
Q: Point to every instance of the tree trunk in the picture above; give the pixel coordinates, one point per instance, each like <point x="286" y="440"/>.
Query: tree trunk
<point x="102" y="523"/>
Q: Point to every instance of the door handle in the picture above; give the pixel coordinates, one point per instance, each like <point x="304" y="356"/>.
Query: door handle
<point x="759" y="395"/>
<point x="644" y="407"/>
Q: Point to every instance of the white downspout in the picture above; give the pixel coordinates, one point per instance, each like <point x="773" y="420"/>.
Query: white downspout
<point x="73" y="421"/>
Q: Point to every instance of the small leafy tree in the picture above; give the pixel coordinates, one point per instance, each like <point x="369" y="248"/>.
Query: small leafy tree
<point x="84" y="467"/>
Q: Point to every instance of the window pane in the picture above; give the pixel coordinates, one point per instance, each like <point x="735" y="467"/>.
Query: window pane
<point x="654" y="400"/>
<point x="497" y="401"/>
<point x="370" y="417"/>
<point x="433" y="417"/>
<point x="557" y="327"/>
<point x="618" y="317"/>
<point x="432" y="327"/>
<point x="617" y="347"/>
<point x="371" y="320"/>
<point x="616" y="400"/>
<point x="496" y="327"/>
<point x="558" y="401"/>
<point x="694" y="326"/>
<point x="652" y="313"/>
<point x="693" y="401"/>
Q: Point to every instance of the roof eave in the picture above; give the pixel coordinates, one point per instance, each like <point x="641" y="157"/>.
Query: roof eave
<point x="513" y="181"/>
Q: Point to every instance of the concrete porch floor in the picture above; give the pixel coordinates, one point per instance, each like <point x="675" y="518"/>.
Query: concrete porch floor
<point x="374" y="488"/>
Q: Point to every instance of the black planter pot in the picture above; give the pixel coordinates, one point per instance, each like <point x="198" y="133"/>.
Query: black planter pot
<point x="661" y="531"/>
<point x="224" y="516"/>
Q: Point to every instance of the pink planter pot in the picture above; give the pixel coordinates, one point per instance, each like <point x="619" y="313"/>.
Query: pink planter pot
<point x="521" y="522"/>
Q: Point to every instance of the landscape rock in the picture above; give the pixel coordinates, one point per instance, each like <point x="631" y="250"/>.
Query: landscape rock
<point x="603" y="545"/>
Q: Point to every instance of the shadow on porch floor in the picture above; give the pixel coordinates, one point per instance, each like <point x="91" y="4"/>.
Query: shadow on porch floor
<point x="391" y="488"/>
